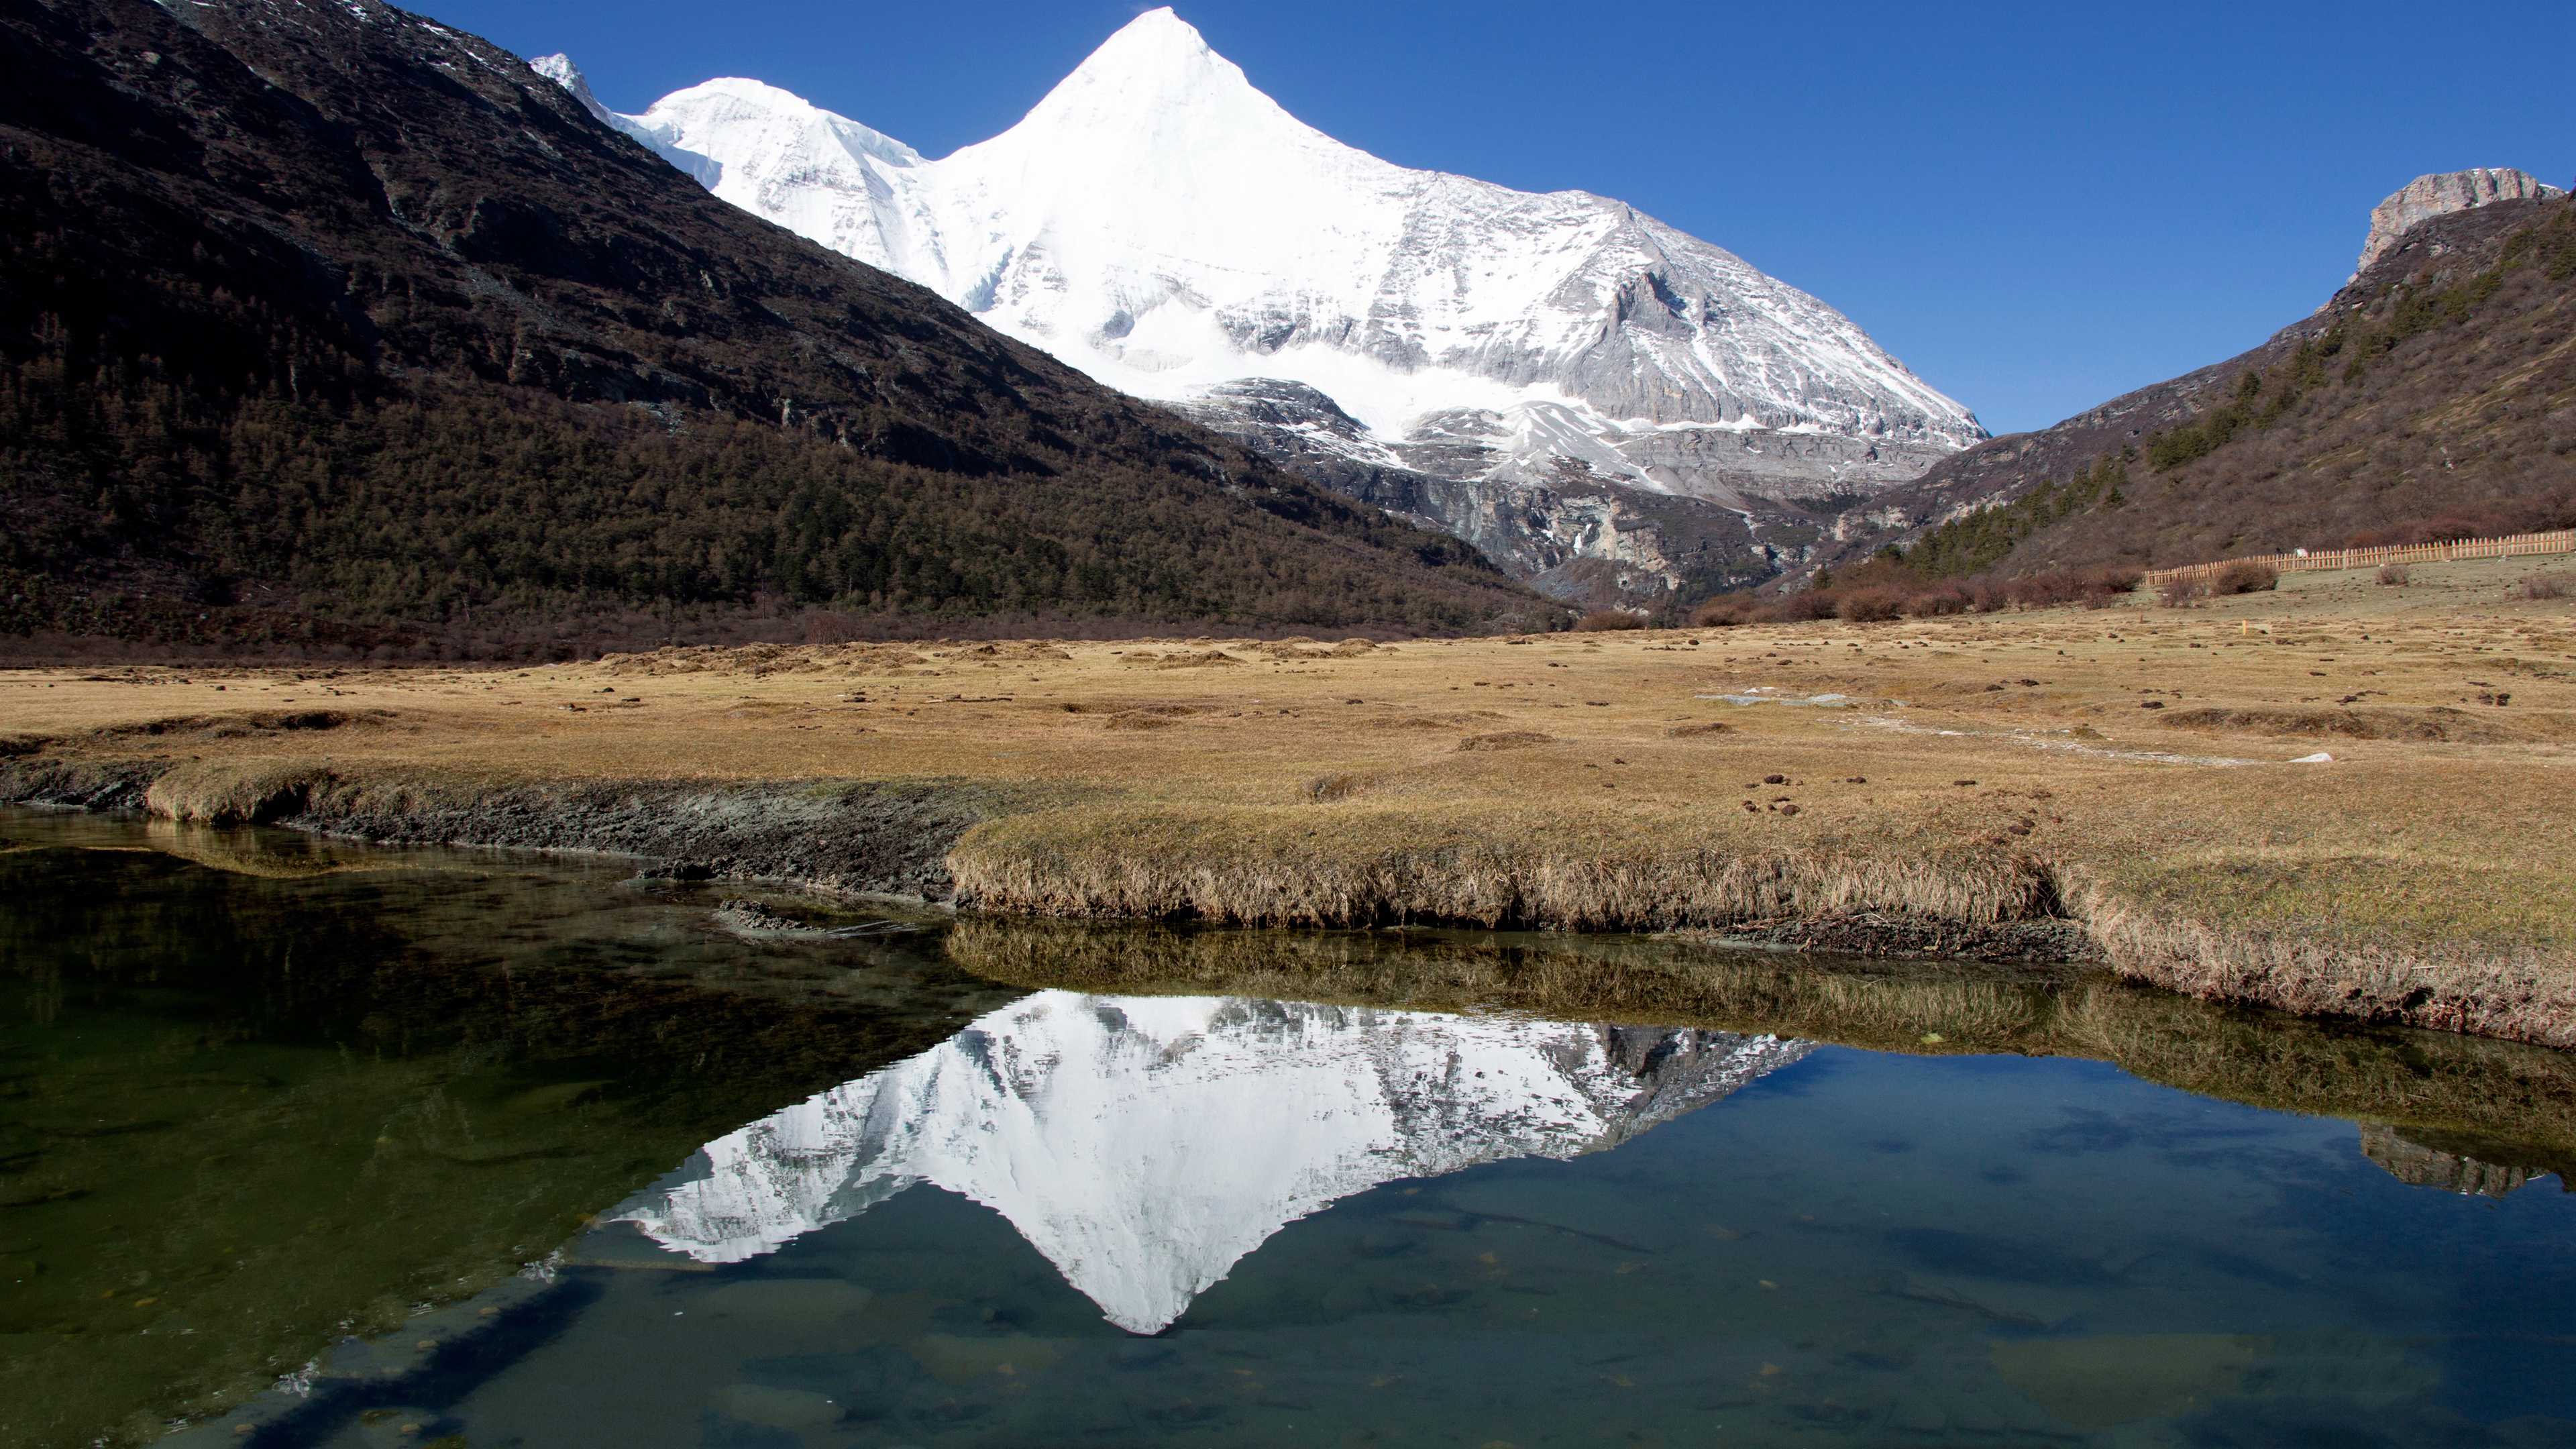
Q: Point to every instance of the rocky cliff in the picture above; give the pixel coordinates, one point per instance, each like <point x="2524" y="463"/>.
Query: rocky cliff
<point x="1576" y="527"/>
<point x="2440" y="194"/>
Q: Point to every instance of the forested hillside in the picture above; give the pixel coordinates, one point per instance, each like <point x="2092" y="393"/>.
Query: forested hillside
<point x="324" y="320"/>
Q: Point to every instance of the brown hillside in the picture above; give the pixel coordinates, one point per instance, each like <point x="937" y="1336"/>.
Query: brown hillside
<point x="317" y="314"/>
<point x="2430" y="398"/>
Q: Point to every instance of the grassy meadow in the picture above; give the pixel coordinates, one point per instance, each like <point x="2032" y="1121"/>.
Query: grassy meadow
<point x="2140" y="769"/>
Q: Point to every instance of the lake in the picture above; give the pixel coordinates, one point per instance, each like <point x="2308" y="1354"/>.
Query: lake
<point x="307" y="1144"/>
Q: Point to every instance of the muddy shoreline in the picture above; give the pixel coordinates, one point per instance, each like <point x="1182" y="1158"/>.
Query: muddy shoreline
<point x="846" y="837"/>
<point x="903" y="839"/>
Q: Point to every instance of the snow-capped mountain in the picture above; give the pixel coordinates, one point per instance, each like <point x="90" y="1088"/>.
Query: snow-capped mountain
<point x="1165" y="227"/>
<point x="1145" y="1144"/>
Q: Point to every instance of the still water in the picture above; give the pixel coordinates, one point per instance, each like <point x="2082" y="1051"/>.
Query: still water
<point x="306" y="1145"/>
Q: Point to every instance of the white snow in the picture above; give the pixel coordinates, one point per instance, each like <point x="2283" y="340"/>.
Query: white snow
<point x="1162" y="225"/>
<point x="1145" y="1144"/>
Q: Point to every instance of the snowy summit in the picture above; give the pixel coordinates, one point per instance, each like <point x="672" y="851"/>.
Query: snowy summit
<point x="1165" y="227"/>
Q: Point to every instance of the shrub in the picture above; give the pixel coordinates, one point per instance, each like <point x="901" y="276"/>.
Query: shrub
<point x="1800" y="607"/>
<point x="2107" y="586"/>
<point x="1723" y="613"/>
<point x="1938" y="602"/>
<point x="2245" y="577"/>
<point x="2545" y="586"/>
<point x="2394" y="576"/>
<point x="2039" y="591"/>
<point x="1870" y="606"/>
<point x="2178" y="593"/>
<point x="1601" y="620"/>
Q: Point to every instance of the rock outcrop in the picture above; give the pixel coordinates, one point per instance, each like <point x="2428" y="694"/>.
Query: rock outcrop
<point x="1575" y="528"/>
<point x="2440" y="194"/>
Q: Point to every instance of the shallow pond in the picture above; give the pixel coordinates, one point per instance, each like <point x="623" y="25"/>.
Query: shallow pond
<point x="314" y="1146"/>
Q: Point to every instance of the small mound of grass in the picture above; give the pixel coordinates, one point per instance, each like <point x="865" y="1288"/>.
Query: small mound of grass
<point x="1325" y="789"/>
<point x="1503" y="740"/>
<point x="2438" y="724"/>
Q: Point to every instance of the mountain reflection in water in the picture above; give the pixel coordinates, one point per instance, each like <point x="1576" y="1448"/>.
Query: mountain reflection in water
<point x="274" y="1107"/>
<point x="1146" y="1144"/>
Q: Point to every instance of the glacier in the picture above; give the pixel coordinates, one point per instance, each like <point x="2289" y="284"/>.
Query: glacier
<point x="1144" y="1145"/>
<point x="1162" y="225"/>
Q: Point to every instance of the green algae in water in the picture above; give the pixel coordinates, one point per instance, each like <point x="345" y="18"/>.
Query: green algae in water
<point x="252" y="1106"/>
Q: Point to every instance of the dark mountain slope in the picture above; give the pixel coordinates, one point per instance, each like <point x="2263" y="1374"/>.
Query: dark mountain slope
<point x="2435" y="396"/>
<point x="330" y="310"/>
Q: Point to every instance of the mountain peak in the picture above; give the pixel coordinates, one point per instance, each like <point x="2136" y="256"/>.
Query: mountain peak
<point x="559" y="68"/>
<point x="1158" y="68"/>
<point x="1157" y="42"/>
<point x="1163" y="225"/>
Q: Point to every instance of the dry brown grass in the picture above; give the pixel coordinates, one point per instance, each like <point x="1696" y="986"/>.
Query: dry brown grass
<point x="1502" y="740"/>
<point x="234" y="792"/>
<point x="2436" y="842"/>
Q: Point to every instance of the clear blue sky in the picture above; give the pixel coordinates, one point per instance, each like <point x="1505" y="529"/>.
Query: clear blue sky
<point x="2037" y="207"/>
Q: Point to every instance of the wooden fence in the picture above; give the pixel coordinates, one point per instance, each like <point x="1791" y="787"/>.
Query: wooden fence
<point x="2561" y="540"/>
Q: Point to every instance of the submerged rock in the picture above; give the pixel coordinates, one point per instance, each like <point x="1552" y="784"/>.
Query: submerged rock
<point x="751" y="918"/>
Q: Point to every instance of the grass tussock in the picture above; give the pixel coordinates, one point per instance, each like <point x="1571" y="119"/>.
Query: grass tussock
<point x="1258" y="867"/>
<point x="235" y="792"/>
<point x="1696" y="731"/>
<point x="2519" y="992"/>
<point x="2438" y="723"/>
<point x="1503" y="740"/>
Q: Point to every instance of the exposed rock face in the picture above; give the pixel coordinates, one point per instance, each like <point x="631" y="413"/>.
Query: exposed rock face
<point x="2426" y="197"/>
<point x="1554" y="521"/>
